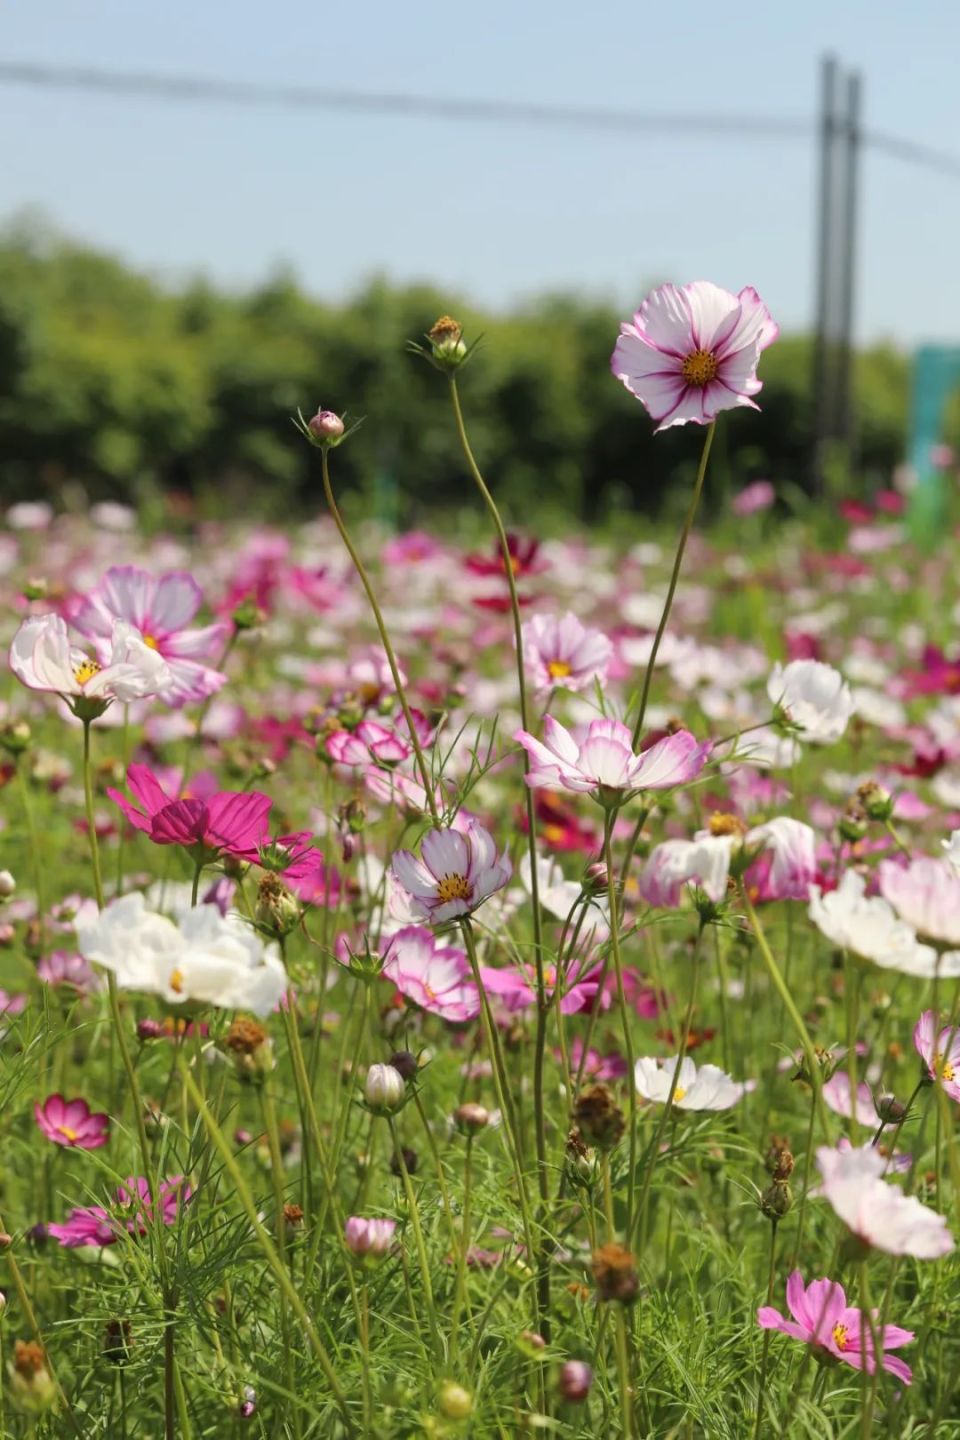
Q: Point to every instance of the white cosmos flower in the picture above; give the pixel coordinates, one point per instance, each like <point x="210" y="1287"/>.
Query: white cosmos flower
<point x="815" y="698"/>
<point x="925" y="893"/>
<point x="952" y="847"/>
<point x="206" y="958"/>
<point x="43" y="658"/>
<point x="708" y="1088"/>
<point x="869" y="927"/>
<point x="559" y="895"/>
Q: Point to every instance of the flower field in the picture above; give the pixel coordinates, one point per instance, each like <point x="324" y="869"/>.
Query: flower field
<point x="484" y="988"/>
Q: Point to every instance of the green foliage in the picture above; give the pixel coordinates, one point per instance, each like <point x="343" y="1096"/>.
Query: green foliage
<point x="108" y="378"/>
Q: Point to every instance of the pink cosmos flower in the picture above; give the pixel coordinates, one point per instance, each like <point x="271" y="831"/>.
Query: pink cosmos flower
<point x="71" y="1123"/>
<point x="231" y="821"/>
<point x="12" y="1004"/>
<point x="822" y="1318"/>
<point x="925" y="893"/>
<point x="515" y="986"/>
<point x="42" y="658"/>
<point x="72" y="971"/>
<point x="370" y="744"/>
<point x="435" y="977"/>
<point x="692" y="351"/>
<point x="939" y="1049"/>
<point x="161" y="608"/>
<point x="875" y="1211"/>
<point x="754" y="498"/>
<point x="93" y="1225"/>
<point x="836" y="1093"/>
<point x="457" y="871"/>
<point x="605" y="764"/>
<point x="368" y="1238"/>
<point x="561" y="651"/>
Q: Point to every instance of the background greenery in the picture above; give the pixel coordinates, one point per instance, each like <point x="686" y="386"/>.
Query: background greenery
<point x="111" y="380"/>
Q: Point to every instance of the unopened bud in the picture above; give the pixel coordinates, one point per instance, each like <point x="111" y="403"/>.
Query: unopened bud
<point x="326" y="426"/>
<point x="15" y="736"/>
<point x="368" y="1239"/>
<point x="470" y="1117"/>
<point x="251" y="1049"/>
<point x="446" y="343"/>
<point x="876" y="801"/>
<point x="7" y="885"/>
<point x="456" y="1403"/>
<point x="36" y="588"/>
<point x="776" y="1200"/>
<point x="406" y="1062"/>
<point x="278" y="909"/>
<point x="31" y="1384"/>
<point x="574" y="1381"/>
<point x="615" y="1274"/>
<point x="890" y="1110"/>
<point x="852" y="825"/>
<point x="385" y="1089"/>
<point x="248" y="615"/>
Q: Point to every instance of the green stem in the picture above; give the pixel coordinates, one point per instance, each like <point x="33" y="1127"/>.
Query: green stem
<point x="464" y="1246"/>
<point x="273" y="1259"/>
<point x="624" y="1016"/>
<point x="771" y="1276"/>
<point x="414" y="1212"/>
<point x="384" y="639"/>
<point x="674" y="577"/>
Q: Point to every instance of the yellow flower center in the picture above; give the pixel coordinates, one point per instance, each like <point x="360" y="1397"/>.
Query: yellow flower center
<point x="678" y="1094"/>
<point x="176" y="981"/>
<point x="67" y="1133"/>
<point x="151" y="642"/>
<point x="85" y="671"/>
<point x="700" y="367"/>
<point x="430" y="993"/>
<point x="453" y="887"/>
<point x="943" y="1067"/>
<point x="559" y="669"/>
<point x="840" y="1336"/>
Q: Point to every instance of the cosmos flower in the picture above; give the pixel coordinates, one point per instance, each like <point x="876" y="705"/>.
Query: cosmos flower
<point x="368" y="1239"/>
<point x="813" y="697"/>
<point x="207" y="958"/>
<point x="234" y="821"/>
<point x="435" y="977"/>
<point x="836" y="1093"/>
<point x="604" y="765"/>
<point x="515" y="986"/>
<point x="939" y="1049"/>
<point x="67" y="969"/>
<point x="42" y="658"/>
<point x="925" y="893"/>
<point x="876" y="1212"/>
<point x="161" y="608"/>
<point x="456" y="872"/>
<point x="867" y="926"/>
<point x="822" y="1318"/>
<point x="93" y="1225"/>
<point x="706" y="1088"/>
<point x="71" y="1123"/>
<point x="371" y="743"/>
<point x="560" y="651"/>
<point x="754" y="498"/>
<point x="692" y="350"/>
<point x="782" y="868"/>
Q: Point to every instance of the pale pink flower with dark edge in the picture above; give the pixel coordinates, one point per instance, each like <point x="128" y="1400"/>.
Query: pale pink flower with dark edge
<point x="822" y="1318"/>
<point x="435" y="977"/>
<point x="71" y="1123"/>
<point x="692" y="350"/>
<point x="876" y="1212"/>
<point x="604" y="765"/>
<point x="562" y="651"/>
<point x="161" y="607"/>
<point x="456" y="872"/>
<point x="939" y="1049"/>
<point x="43" y="658"/>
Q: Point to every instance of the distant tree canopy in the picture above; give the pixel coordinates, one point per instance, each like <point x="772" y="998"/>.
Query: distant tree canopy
<point x="127" y="387"/>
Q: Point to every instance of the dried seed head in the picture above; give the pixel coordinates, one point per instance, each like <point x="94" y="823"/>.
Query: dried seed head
<point x="599" y="1117"/>
<point x="615" y="1273"/>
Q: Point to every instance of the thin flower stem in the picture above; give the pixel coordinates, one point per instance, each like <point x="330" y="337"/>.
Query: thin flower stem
<point x="384" y="639"/>
<point x="853" y="977"/>
<point x="32" y="840"/>
<point x="771" y="1277"/>
<point x="807" y="1163"/>
<point x="271" y="1256"/>
<point x="674" y="577"/>
<point x="269" y="1113"/>
<point x="543" y="1003"/>
<point x="625" y="1017"/>
<point x="464" y="1246"/>
<point x="414" y="1213"/>
<point x="30" y="1316"/>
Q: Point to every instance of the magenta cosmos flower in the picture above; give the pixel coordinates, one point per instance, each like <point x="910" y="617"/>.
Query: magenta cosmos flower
<point x="71" y="1123"/>
<point x="161" y="608"/>
<point x="93" y="1225"/>
<point x="939" y="1049"/>
<point x="558" y="650"/>
<point x="435" y="977"/>
<point x="604" y="765"/>
<point x="235" y="821"/>
<point x="822" y="1318"/>
<point x="456" y="872"/>
<point x="692" y="351"/>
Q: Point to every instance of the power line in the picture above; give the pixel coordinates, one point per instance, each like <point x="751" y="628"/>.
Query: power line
<point x="199" y="89"/>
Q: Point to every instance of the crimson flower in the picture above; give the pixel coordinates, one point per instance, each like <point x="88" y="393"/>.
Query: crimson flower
<point x="234" y="821"/>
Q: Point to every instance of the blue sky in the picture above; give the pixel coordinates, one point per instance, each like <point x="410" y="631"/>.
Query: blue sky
<point x="497" y="212"/>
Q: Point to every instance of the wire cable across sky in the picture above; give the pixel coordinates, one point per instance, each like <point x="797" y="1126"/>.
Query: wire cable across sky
<point x="198" y="89"/>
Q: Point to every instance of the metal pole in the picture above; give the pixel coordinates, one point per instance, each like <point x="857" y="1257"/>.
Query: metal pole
<point x="846" y="428"/>
<point x="821" y="388"/>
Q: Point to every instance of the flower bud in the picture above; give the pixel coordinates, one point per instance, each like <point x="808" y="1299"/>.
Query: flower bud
<point x="852" y="825"/>
<point x="31" y="1384"/>
<point x="410" y="1160"/>
<point x="889" y="1109"/>
<point x="251" y="1049"/>
<point x="456" y="1403"/>
<point x="470" y="1118"/>
<point x="779" y="1158"/>
<point x="15" y="736"/>
<point x="575" y="1380"/>
<point x="532" y="1340"/>
<point x="595" y="877"/>
<point x="7" y="885"/>
<point x="368" y="1240"/>
<point x="35" y="588"/>
<point x="446" y="343"/>
<point x="248" y="1405"/>
<point x="278" y="910"/>
<point x="876" y="801"/>
<point x="292" y="1215"/>
<point x="248" y="615"/>
<point x="326" y="426"/>
<point x="405" y="1062"/>
<point x="385" y="1089"/>
<point x="776" y="1200"/>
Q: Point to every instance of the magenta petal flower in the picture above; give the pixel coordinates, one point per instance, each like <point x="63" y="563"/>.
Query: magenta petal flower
<point x="692" y="351"/>
<point x="71" y="1123"/>
<point x="86" y="1225"/>
<point x="604" y="765"/>
<point x="232" y="820"/>
<point x="822" y="1318"/>
<point x="435" y="977"/>
<point x="457" y="871"/>
<point x="368" y="1238"/>
<point x="939" y="1049"/>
